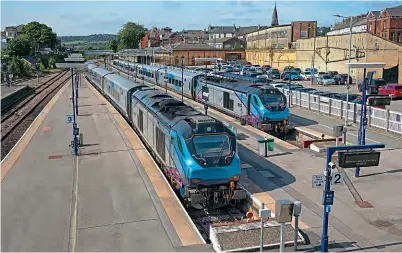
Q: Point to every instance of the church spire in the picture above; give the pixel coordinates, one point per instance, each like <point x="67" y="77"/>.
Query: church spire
<point x="275" y="17"/>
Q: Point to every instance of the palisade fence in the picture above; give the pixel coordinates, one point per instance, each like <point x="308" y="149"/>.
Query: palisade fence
<point x="387" y="120"/>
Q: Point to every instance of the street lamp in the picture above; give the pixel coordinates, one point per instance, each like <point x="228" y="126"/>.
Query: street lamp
<point x="182" y="83"/>
<point x="347" y="81"/>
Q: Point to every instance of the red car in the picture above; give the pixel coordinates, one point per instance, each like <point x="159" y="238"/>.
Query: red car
<point x="392" y="89"/>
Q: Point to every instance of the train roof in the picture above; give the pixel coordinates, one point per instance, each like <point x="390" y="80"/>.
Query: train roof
<point x="173" y="113"/>
<point x="185" y="73"/>
<point x="101" y="71"/>
<point x="236" y="85"/>
<point x="123" y="82"/>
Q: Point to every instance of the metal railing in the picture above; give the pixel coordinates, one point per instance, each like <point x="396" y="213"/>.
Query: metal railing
<point x="390" y="121"/>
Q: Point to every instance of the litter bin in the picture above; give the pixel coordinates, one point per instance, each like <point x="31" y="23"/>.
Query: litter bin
<point x="265" y="145"/>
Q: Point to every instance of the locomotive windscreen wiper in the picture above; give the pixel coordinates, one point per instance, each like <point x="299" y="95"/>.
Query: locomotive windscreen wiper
<point x="220" y="152"/>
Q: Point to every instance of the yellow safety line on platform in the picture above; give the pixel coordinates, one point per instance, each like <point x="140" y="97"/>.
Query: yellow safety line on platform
<point x="184" y="229"/>
<point x="9" y="161"/>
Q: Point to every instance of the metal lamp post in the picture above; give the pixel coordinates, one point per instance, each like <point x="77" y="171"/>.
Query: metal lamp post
<point x="182" y="82"/>
<point x="347" y="81"/>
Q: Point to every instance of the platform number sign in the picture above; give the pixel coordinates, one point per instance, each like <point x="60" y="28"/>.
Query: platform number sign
<point x="337" y="178"/>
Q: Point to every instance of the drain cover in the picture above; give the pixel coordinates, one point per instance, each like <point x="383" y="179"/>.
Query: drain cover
<point x="364" y="204"/>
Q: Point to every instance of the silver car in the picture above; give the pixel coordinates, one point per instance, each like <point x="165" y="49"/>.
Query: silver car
<point x="326" y="80"/>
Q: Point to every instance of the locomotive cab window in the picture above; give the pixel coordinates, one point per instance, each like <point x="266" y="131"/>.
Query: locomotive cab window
<point x="180" y="146"/>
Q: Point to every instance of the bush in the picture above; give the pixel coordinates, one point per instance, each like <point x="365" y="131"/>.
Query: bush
<point x="52" y="63"/>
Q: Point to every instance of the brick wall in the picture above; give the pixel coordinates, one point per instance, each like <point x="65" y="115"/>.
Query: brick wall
<point x="308" y="29"/>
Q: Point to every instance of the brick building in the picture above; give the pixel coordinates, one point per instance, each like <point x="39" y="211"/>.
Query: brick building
<point x="386" y="24"/>
<point x="12" y="32"/>
<point x="192" y="51"/>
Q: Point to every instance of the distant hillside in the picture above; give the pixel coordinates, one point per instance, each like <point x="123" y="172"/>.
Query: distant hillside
<point x="94" y="41"/>
<point x="89" y="38"/>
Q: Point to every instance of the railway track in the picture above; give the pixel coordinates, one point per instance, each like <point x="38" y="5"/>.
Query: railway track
<point x="15" y="122"/>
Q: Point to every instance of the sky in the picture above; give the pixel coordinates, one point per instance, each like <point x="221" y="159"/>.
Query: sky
<point x="78" y="18"/>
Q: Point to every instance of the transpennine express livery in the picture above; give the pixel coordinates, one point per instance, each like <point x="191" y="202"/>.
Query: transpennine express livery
<point x="197" y="153"/>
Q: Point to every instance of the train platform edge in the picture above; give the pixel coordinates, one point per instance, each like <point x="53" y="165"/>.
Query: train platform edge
<point x="124" y="202"/>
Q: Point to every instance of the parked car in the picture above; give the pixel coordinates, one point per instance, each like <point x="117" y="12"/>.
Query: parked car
<point x="257" y="68"/>
<point x="274" y="74"/>
<point x="293" y="75"/>
<point x="317" y="74"/>
<point x="297" y="70"/>
<point x="288" y="68"/>
<point x="373" y="88"/>
<point x="229" y="69"/>
<point x="232" y="62"/>
<point x="265" y="68"/>
<point x="311" y="70"/>
<point x="342" y="96"/>
<point x="293" y="87"/>
<point x="306" y="75"/>
<point x="392" y="89"/>
<point x="342" y="79"/>
<point x="326" y="80"/>
<point x="332" y="73"/>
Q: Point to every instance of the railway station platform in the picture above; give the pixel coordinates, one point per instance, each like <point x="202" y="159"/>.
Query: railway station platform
<point x="112" y="197"/>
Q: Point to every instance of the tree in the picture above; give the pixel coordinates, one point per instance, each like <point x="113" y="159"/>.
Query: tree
<point x="130" y="35"/>
<point x="39" y="34"/>
<point x="18" y="47"/>
<point x="323" y="30"/>
<point x="112" y="45"/>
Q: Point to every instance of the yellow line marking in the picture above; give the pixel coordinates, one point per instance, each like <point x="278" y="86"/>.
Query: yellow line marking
<point x="184" y="228"/>
<point x="8" y="162"/>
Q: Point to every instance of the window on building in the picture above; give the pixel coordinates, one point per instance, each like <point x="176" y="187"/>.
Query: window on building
<point x="393" y="37"/>
<point x="303" y="34"/>
<point x="399" y="36"/>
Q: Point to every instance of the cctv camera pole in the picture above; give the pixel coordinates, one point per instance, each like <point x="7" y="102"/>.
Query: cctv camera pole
<point x="289" y="94"/>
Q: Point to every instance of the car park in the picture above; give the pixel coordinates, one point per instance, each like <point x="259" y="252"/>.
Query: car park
<point x="342" y="79"/>
<point x="257" y="68"/>
<point x="265" y="68"/>
<point x="392" y="89"/>
<point x="229" y="69"/>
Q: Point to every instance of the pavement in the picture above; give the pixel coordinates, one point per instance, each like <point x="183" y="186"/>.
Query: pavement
<point x="110" y="198"/>
<point x="287" y="174"/>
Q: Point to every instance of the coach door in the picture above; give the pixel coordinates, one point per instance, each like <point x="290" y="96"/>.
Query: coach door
<point x="248" y="104"/>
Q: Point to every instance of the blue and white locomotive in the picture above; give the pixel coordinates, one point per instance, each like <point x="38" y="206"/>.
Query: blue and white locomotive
<point x="253" y="103"/>
<point x="197" y="153"/>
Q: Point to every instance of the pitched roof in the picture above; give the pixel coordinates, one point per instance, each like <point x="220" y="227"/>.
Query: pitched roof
<point x="356" y="21"/>
<point x="376" y="14"/>
<point x="394" y="11"/>
<point x="199" y="46"/>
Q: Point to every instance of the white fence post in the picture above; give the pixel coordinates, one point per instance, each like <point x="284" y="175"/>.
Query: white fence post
<point x="387" y="126"/>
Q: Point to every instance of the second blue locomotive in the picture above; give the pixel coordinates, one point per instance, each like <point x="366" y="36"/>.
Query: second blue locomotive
<point x="258" y="104"/>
